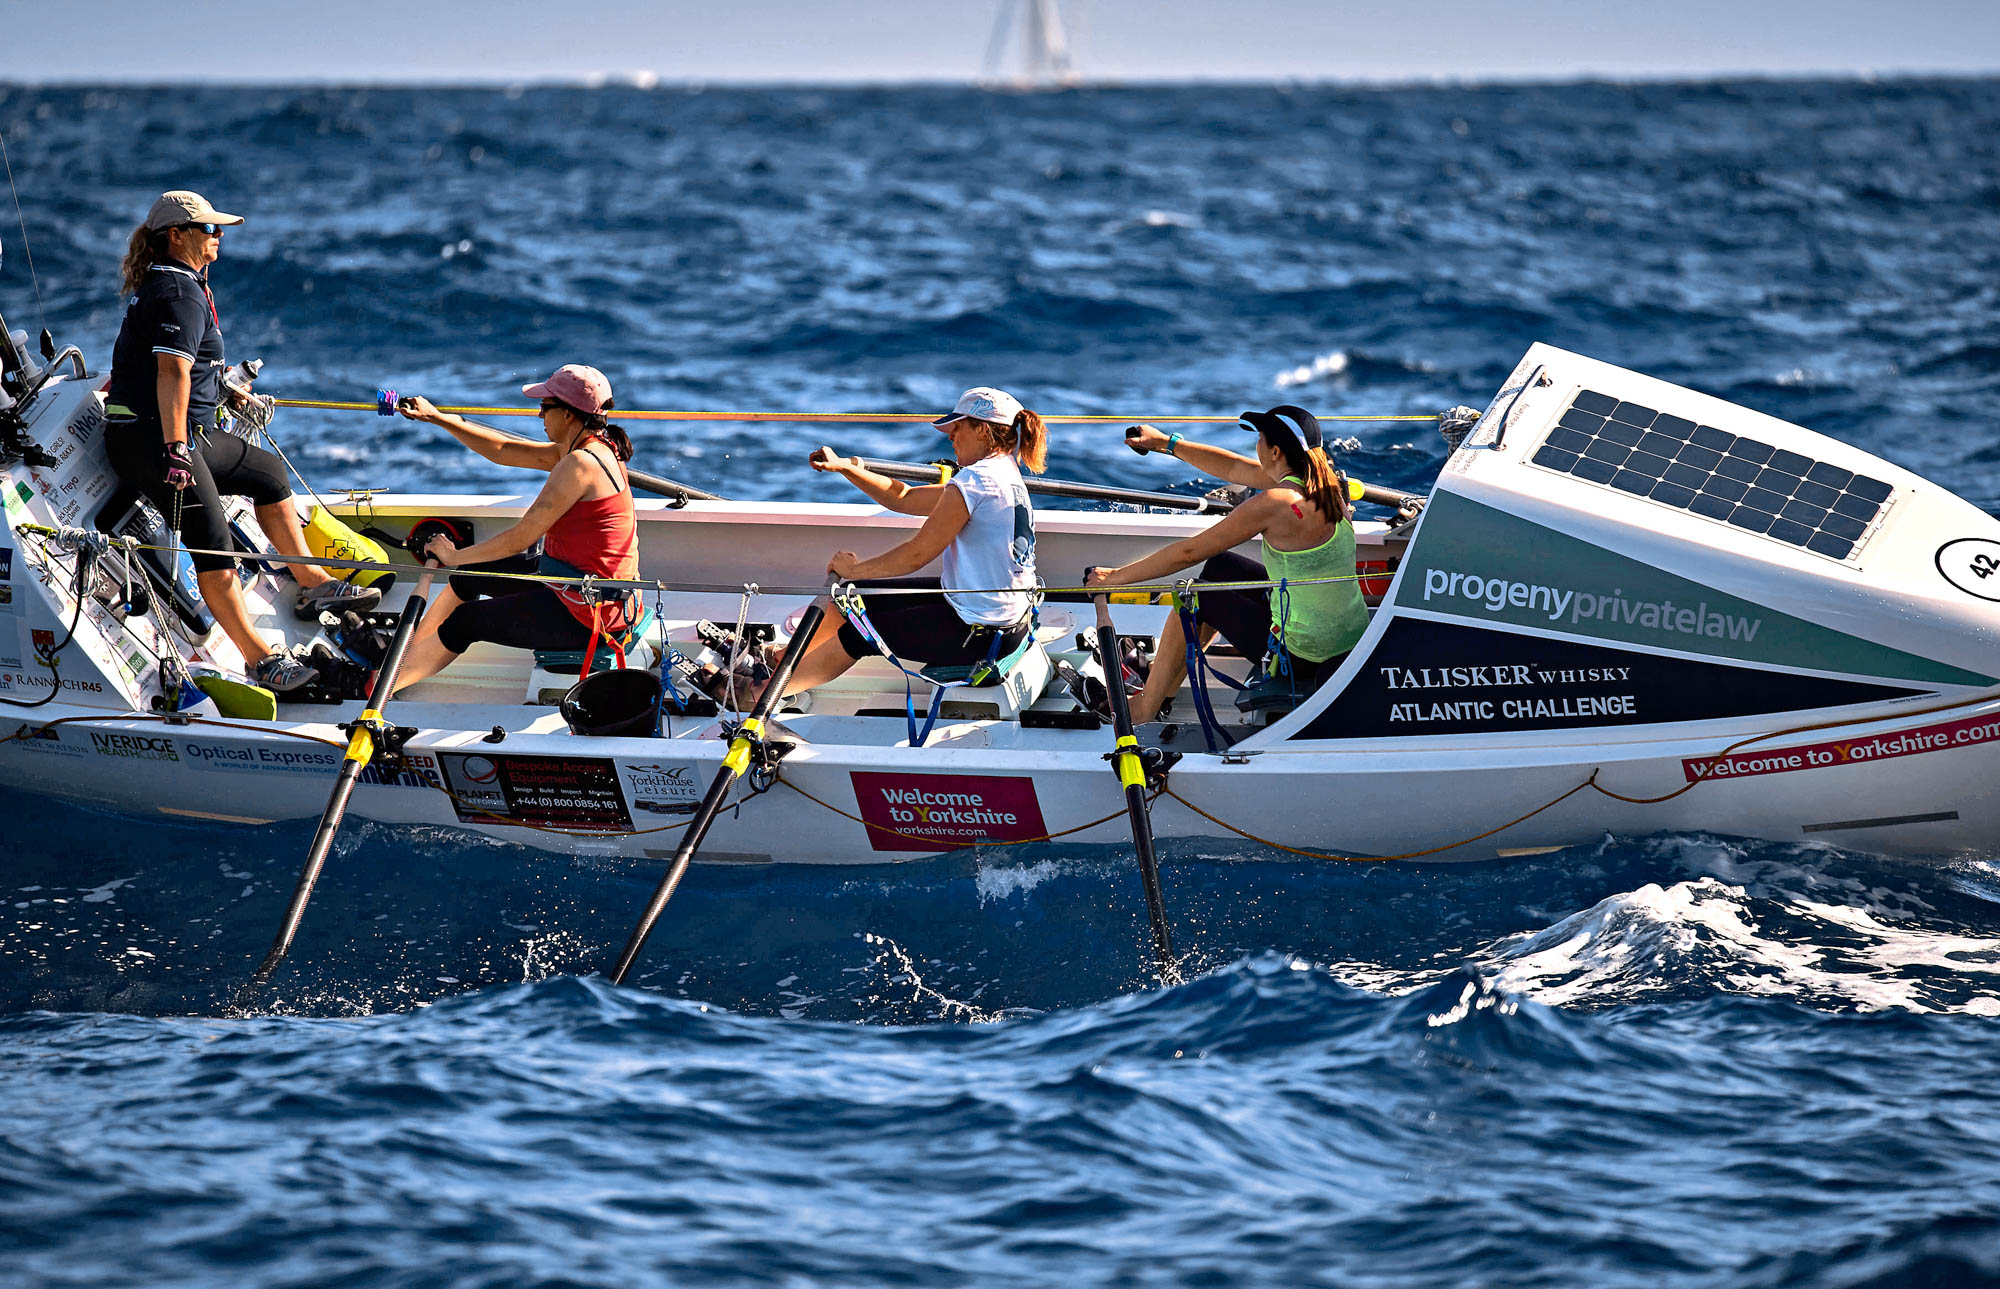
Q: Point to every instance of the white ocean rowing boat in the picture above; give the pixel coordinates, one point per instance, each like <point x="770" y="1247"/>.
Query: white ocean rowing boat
<point x="1627" y="607"/>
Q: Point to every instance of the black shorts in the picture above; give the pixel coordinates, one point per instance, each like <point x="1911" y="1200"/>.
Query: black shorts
<point x="926" y="629"/>
<point x="1243" y="618"/>
<point x="224" y="465"/>
<point x="527" y="616"/>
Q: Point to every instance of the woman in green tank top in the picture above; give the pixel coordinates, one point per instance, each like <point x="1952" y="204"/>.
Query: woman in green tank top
<point x="1301" y="513"/>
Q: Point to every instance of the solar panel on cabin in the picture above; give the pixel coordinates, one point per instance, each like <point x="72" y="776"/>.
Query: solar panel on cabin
<point x="1702" y="459"/>
<point x="1709" y="472"/>
<point x="1686" y="476"/>
<point x="1646" y="463"/>
<point x="1777" y="480"/>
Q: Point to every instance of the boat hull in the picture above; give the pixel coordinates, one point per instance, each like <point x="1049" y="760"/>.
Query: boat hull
<point x="1913" y="785"/>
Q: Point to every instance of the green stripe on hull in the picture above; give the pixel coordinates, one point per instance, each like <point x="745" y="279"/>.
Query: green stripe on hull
<point x="1474" y="562"/>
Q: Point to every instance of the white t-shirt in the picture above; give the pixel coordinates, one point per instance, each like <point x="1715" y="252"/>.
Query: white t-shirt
<point x="995" y="548"/>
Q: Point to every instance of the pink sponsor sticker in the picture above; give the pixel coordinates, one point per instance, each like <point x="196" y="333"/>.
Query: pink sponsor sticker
<point x="1851" y="751"/>
<point x="946" y="811"/>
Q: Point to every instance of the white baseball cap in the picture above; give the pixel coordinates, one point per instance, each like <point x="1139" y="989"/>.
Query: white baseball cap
<point x="996" y="406"/>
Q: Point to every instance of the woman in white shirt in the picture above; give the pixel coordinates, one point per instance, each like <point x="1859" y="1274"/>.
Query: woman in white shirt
<point x="978" y="524"/>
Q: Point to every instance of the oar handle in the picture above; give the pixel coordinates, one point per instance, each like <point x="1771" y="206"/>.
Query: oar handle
<point x="734" y="762"/>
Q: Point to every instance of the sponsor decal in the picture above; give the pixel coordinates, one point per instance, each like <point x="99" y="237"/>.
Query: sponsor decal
<point x="290" y="758"/>
<point x="44" y="641"/>
<point x="1851" y="751"/>
<point x="420" y="770"/>
<point x="558" y="792"/>
<point x="45" y="739"/>
<point x="1441" y="678"/>
<point x="943" y="811"/>
<point x="136" y="747"/>
<point x="26" y="681"/>
<point x="1971" y="565"/>
<point x="1473" y="562"/>
<point x="6" y="564"/>
<point x="660" y="788"/>
<point x="16" y="496"/>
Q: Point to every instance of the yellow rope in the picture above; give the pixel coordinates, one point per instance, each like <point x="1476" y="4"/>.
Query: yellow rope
<point x="1379" y="859"/>
<point x="881" y="418"/>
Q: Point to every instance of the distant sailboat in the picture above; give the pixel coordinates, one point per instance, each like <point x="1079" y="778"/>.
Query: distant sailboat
<point x="1044" y="46"/>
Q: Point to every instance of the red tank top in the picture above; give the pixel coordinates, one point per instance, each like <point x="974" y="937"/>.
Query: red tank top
<point x="599" y="536"/>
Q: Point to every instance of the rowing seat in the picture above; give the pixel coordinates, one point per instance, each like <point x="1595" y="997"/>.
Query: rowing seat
<point x="1267" y="697"/>
<point x="1018" y="679"/>
<point x="557" y="670"/>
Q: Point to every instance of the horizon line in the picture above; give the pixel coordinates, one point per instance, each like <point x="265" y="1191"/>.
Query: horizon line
<point x="646" y="81"/>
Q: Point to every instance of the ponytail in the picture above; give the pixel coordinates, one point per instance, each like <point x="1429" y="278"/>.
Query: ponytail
<point x="1027" y="438"/>
<point x="147" y="248"/>
<point x="1324" y="487"/>
<point x="594" y="424"/>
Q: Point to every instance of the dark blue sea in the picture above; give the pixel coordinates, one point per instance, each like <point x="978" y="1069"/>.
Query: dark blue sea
<point x="1674" y="1060"/>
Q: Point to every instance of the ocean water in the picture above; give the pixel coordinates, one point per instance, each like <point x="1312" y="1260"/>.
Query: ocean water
<point x="1662" y="1060"/>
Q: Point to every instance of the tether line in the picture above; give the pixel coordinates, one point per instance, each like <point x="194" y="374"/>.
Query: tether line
<point x="26" y="249"/>
<point x="866" y="418"/>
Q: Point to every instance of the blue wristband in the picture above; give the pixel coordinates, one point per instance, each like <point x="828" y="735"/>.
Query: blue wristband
<point x="1174" y="444"/>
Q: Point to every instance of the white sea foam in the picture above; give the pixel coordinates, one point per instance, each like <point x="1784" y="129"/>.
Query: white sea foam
<point x="1777" y="924"/>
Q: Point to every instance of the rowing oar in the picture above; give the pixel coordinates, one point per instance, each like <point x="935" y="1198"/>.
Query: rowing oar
<point x="916" y="472"/>
<point x="360" y="751"/>
<point x="386" y="401"/>
<point x="734" y="763"/>
<point x="1132" y="774"/>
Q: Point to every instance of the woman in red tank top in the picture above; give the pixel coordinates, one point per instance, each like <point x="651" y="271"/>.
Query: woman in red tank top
<point x="583" y="519"/>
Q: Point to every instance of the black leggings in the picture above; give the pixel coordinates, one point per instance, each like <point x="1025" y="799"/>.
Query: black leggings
<point x="223" y="465"/>
<point x="1243" y="618"/>
<point x="507" y="611"/>
<point x="926" y="629"/>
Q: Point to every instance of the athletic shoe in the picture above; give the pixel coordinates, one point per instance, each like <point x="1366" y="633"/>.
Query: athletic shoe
<point x="281" y="673"/>
<point x="336" y="595"/>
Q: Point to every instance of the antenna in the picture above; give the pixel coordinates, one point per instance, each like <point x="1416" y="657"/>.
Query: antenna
<point x="1043" y="40"/>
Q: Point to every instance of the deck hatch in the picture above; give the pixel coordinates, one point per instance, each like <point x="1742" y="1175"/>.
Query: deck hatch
<point x="1733" y="479"/>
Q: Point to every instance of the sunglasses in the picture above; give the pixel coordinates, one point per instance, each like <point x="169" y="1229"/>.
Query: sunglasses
<point x="212" y="230"/>
<point x="551" y="404"/>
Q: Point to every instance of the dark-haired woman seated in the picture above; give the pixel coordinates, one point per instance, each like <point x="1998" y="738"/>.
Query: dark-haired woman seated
<point x="1302" y="516"/>
<point x="583" y="517"/>
<point x="978" y="524"/>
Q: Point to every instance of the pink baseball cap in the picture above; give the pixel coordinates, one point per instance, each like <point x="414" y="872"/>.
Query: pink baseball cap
<point x="583" y="388"/>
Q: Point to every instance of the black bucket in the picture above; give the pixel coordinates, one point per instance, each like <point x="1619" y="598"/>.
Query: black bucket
<point x="614" y="704"/>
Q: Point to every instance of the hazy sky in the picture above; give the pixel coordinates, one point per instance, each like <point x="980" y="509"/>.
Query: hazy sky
<point x="900" y="40"/>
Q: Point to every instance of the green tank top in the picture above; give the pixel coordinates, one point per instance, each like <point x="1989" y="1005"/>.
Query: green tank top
<point x="1324" y="620"/>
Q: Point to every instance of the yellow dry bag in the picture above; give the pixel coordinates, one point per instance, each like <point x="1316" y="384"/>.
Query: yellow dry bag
<point x="327" y="536"/>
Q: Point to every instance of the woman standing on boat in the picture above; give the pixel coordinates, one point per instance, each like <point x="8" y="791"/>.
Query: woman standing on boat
<point x="978" y="524"/>
<point x="583" y="517"/>
<point x="166" y="384"/>
<point x="1302" y="515"/>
